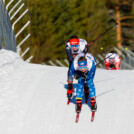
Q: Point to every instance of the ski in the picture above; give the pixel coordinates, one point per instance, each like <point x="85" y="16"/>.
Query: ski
<point x="68" y="102"/>
<point x="77" y="117"/>
<point x="93" y="115"/>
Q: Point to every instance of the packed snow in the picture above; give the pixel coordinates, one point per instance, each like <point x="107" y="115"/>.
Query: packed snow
<point x="33" y="100"/>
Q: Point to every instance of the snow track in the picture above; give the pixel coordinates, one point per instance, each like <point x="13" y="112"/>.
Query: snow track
<point x="33" y="100"/>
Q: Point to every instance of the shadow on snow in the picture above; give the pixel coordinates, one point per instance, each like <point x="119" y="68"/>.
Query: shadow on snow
<point x="73" y="100"/>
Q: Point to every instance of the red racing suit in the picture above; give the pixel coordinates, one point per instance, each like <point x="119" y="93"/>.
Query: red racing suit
<point x="115" y="64"/>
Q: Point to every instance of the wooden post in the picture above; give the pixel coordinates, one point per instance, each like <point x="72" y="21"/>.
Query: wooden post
<point x="118" y="29"/>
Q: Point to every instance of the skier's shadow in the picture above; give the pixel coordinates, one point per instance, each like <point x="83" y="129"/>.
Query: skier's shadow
<point x="73" y="100"/>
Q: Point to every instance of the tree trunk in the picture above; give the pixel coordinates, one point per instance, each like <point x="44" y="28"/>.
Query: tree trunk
<point x="118" y="29"/>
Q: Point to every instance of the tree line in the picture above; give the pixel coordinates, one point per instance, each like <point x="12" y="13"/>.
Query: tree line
<point x="54" y="21"/>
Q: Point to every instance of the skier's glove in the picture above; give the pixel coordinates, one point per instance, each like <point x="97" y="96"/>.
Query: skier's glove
<point x="84" y="75"/>
<point x="76" y="76"/>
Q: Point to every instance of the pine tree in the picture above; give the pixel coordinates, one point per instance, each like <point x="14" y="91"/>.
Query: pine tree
<point x="54" y="21"/>
<point x="123" y="10"/>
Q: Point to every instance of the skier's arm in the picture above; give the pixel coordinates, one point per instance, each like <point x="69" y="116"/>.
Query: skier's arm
<point x="118" y="62"/>
<point x="107" y="64"/>
<point x="117" y="66"/>
<point x="71" y="73"/>
<point x="69" y="54"/>
<point x="85" y="49"/>
<point x="91" y="73"/>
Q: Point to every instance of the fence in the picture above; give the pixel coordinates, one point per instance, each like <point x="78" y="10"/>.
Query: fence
<point x="127" y="60"/>
<point x="16" y="13"/>
<point x="7" y="35"/>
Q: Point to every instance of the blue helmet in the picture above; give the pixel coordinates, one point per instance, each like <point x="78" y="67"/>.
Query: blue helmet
<point x="82" y="64"/>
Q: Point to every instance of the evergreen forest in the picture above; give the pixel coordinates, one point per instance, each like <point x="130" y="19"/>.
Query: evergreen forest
<point x="53" y="22"/>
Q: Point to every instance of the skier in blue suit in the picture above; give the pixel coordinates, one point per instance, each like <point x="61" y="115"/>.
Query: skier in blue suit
<point x="84" y="66"/>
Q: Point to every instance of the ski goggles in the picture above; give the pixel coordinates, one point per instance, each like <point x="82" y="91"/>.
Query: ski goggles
<point x="72" y="46"/>
<point x="111" y="61"/>
<point x="82" y="64"/>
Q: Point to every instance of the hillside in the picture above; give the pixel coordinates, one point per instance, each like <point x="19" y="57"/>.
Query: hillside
<point x="33" y="100"/>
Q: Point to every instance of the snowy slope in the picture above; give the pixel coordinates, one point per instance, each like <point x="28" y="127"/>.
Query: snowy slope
<point x="33" y="100"/>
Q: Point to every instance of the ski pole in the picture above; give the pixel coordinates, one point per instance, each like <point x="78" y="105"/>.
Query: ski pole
<point x="123" y="52"/>
<point x="102" y="34"/>
<point x="64" y="42"/>
<point x="103" y="60"/>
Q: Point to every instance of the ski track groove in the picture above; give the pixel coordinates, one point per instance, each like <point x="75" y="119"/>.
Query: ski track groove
<point x="33" y="100"/>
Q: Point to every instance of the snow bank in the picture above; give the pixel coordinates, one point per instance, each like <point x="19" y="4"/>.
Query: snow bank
<point x="8" y="57"/>
<point x="33" y="100"/>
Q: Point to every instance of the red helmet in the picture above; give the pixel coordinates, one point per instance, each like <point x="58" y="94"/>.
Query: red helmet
<point x="74" y="41"/>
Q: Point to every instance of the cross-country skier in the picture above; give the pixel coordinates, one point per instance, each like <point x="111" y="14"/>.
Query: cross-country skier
<point x="84" y="65"/>
<point x="74" y="46"/>
<point x="113" y="62"/>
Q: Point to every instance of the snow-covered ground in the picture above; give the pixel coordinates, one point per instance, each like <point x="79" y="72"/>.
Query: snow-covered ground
<point x="33" y="100"/>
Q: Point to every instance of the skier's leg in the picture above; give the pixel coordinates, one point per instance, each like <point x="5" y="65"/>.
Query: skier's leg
<point x="70" y="84"/>
<point x="79" y="93"/>
<point x="70" y="90"/>
<point x="86" y="91"/>
<point x="92" y="94"/>
<point x="93" y="103"/>
<point x="78" y="105"/>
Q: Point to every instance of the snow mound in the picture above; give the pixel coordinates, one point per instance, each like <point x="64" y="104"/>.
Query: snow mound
<point x="8" y="57"/>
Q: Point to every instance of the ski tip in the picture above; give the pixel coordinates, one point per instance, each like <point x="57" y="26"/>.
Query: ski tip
<point x="77" y="118"/>
<point x="68" y="102"/>
<point x="92" y="117"/>
<point x="76" y="121"/>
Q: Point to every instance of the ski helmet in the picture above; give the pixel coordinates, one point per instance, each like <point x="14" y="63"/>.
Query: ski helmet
<point x="74" y="41"/>
<point x="82" y="64"/>
<point x="112" y="56"/>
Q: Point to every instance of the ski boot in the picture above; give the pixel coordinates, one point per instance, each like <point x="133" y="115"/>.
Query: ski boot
<point x="78" y="105"/>
<point x="93" y="104"/>
<point x="69" y="92"/>
<point x="86" y="91"/>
